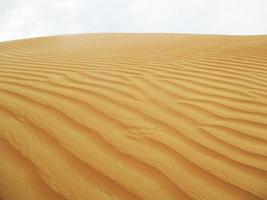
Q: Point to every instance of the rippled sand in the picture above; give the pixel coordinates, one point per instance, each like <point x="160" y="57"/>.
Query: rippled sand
<point x="133" y="116"/>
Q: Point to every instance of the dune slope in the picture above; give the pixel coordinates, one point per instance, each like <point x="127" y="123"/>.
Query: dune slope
<point x="133" y="116"/>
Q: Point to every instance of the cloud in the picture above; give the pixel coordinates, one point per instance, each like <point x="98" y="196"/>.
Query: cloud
<point x="32" y="18"/>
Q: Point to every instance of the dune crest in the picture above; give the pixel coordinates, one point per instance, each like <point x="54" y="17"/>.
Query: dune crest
<point x="133" y="116"/>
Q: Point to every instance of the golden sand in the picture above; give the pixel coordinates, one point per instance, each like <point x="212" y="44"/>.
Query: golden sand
<point x="133" y="116"/>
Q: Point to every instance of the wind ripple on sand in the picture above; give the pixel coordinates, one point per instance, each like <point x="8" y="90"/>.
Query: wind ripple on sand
<point x="133" y="116"/>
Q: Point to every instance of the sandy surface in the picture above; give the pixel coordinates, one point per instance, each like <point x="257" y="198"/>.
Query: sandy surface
<point x="133" y="116"/>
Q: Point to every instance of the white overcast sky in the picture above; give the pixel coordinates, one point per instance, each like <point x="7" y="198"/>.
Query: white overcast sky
<point x="33" y="18"/>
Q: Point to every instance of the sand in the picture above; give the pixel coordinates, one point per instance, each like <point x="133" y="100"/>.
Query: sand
<point x="133" y="116"/>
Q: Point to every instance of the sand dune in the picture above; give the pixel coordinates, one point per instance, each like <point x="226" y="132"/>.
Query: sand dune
<point x="133" y="116"/>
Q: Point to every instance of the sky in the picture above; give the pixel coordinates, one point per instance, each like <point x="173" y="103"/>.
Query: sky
<point x="33" y="18"/>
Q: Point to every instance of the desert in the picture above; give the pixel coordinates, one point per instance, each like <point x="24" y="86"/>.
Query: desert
<point x="133" y="116"/>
